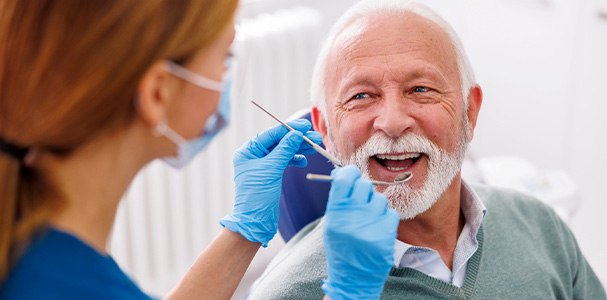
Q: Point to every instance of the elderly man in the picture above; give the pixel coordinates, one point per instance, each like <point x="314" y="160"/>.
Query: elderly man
<point x="394" y="92"/>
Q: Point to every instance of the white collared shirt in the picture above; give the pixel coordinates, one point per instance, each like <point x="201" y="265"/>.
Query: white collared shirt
<point x="428" y="261"/>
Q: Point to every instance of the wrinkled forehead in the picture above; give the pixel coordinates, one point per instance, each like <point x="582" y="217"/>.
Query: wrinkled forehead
<point x="397" y="38"/>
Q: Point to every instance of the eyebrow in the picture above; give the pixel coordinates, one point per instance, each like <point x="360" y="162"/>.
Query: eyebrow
<point x="427" y="71"/>
<point x="356" y="80"/>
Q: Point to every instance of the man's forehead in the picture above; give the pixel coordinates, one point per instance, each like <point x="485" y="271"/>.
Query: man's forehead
<point x="391" y="35"/>
<point x="375" y="29"/>
<point x="350" y="34"/>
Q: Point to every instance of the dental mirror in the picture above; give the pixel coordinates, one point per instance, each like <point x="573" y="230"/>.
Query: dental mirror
<point x="400" y="178"/>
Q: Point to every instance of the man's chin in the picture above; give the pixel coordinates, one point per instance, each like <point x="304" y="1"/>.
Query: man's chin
<point x="409" y="203"/>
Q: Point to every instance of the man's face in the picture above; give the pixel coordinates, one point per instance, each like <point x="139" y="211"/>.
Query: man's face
<point x="394" y="104"/>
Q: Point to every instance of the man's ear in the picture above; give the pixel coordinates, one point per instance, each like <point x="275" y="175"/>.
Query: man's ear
<point x="154" y="94"/>
<point x="475" y="99"/>
<point x="319" y="124"/>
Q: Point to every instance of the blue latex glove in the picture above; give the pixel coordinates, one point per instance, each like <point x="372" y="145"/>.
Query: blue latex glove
<point x="359" y="236"/>
<point x="258" y="169"/>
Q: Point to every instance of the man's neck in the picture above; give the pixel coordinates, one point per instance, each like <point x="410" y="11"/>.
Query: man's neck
<point x="439" y="227"/>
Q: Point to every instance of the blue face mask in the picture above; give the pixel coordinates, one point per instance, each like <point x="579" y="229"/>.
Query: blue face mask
<point x="188" y="149"/>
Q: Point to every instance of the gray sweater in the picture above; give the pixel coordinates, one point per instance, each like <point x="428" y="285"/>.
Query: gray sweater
<point x="525" y="252"/>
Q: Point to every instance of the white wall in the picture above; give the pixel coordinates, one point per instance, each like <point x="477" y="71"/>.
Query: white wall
<point x="587" y="133"/>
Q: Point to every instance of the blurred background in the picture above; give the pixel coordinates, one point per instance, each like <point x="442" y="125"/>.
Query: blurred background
<point x="542" y="129"/>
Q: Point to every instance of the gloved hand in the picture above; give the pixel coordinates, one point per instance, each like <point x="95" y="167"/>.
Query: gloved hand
<point x="258" y="169"/>
<point x="359" y="236"/>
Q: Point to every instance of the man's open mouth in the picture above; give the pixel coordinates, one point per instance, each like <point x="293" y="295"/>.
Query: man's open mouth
<point x="397" y="162"/>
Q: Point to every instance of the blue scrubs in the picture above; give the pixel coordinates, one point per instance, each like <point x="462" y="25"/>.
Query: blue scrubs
<point x="57" y="265"/>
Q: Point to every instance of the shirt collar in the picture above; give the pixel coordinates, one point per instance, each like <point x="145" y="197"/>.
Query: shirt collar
<point x="473" y="208"/>
<point x="474" y="212"/>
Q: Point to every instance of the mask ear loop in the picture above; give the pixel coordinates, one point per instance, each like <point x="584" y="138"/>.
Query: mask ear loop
<point x="162" y="129"/>
<point x="194" y="78"/>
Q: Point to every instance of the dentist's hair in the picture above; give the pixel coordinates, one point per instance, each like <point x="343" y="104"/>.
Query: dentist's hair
<point x="370" y="8"/>
<point x="69" y="70"/>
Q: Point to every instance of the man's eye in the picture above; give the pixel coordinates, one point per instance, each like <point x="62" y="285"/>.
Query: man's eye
<point x="421" y="89"/>
<point x="360" y="96"/>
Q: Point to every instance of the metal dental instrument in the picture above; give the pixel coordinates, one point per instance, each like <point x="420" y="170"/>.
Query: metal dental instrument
<point x="400" y="178"/>
<point x="316" y="147"/>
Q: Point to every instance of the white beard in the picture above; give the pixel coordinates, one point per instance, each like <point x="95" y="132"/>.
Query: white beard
<point x="442" y="169"/>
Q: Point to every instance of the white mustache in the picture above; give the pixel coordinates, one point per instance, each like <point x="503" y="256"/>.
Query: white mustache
<point x="381" y="144"/>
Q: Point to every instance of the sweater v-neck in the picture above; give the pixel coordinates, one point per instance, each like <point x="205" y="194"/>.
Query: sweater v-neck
<point x="467" y="289"/>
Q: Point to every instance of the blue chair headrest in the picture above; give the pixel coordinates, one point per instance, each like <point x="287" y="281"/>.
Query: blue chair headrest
<point x="303" y="201"/>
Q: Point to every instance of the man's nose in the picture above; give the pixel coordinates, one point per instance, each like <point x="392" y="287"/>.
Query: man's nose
<point x="394" y="118"/>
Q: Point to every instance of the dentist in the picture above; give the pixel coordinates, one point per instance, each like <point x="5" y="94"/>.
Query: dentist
<point x="91" y="92"/>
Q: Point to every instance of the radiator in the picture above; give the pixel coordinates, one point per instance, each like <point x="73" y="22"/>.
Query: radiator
<point x="168" y="217"/>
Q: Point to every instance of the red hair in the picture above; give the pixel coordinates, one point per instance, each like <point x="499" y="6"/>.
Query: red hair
<point x="68" y="71"/>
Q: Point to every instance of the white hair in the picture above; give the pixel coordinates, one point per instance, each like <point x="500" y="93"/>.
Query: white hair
<point x="367" y="8"/>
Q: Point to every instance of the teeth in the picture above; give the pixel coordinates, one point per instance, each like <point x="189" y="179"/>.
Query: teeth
<point x="398" y="157"/>
<point x="395" y="169"/>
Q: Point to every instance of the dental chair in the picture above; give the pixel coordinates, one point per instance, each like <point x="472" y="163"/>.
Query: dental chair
<point x="303" y="201"/>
